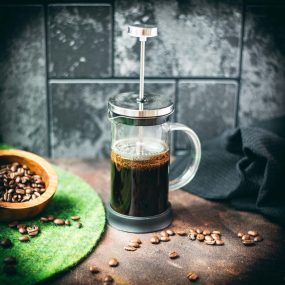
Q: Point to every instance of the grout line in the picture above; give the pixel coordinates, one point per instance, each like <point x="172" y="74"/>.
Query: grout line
<point x="240" y="65"/>
<point x="47" y="79"/>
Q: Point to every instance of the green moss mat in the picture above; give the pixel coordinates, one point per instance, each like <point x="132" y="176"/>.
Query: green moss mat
<point x="57" y="248"/>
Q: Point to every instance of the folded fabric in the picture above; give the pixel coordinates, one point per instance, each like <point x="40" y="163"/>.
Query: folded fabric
<point x="244" y="167"/>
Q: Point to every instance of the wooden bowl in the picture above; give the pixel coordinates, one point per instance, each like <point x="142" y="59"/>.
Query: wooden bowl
<point x="26" y="210"/>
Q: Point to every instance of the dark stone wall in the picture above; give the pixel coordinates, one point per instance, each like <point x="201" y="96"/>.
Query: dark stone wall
<point x="222" y="62"/>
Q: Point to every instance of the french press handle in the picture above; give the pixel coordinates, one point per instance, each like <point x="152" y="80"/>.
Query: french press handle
<point x="192" y="166"/>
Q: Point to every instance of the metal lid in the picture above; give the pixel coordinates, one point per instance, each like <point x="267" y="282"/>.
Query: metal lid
<point x="138" y="31"/>
<point x="128" y="104"/>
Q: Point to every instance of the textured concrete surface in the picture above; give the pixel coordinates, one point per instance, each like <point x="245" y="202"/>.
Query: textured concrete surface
<point x="80" y="127"/>
<point x="23" y="122"/>
<point x="208" y="107"/>
<point x="263" y="68"/>
<point x="196" y="38"/>
<point x="79" y="39"/>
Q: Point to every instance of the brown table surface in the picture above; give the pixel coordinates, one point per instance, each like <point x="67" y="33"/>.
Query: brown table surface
<point x="232" y="263"/>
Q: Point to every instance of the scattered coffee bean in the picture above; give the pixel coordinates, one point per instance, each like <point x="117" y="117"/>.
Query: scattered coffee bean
<point x="44" y="219"/>
<point x="108" y="279"/>
<point x="5" y="242"/>
<point x="181" y="232"/>
<point x="192" y="276"/>
<point x="22" y="231"/>
<point x="13" y="224"/>
<point x="67" y="222"/>
<point x="253" y="233"/>
<point x="75" y="218"/>
<point x="33" y="230"/>
<point x="155" y="240"/>
<point x="208" y="238"/>
<point x="59" y="222"/>
<point x="258" y="238"/>
<point x="199" y="231"/>
<point x="248" y="242"/>
<point x="164" y="234"/>
<point x="216" y="232"/>
<point x="79" y="225"/>
<point x="136" y="240"/>
<point x="192" y="236"/>
<point x="245" y="237"/>
<point x="210" y="242"/>
<point x="9" y="269"/>
<point x="206" y="232"/>
<point x="170" y="232"/>
<point x="200" y="237"/>
<point x="10" y="260"/>
<point x="24" y="238"/>
<point x="164" y="239"/>
<point x="50" y="218"/>
<point x="240" y="234"/>
<point x="134" y="244"/>
<point x="113" y="262"/>
<point x="216" y="236"/>
<point x="173" y="254"/>
<point x="130" y="248"/>
<point x="93" y="269"/>
<point x="220" y="242"/>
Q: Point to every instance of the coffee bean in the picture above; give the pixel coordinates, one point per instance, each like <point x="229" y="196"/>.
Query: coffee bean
<point x="164" y="234"/>
<point x="192" y="236"/>
<point x="9" y="269"/>
<point x="136" y="240"/>
<point x="248" y="242"/>
<point x="210" y="242"/>
<point x="199" y="231"/>
<point x="173" y="254"/>
<point x="108" y="279"/>
<point x="155" y="240"/>
<point x="22" y="231"/>
<point x="134" y="244"/>
<point x="216" y="232"/>
<point x="67" y="222"/>
<point x="219" y="242"/>
<point x="216" y="236"/>
<point x="258" y="238"/>
<point x="59" y="222"/>
<point x="13" y="224"/>
<point x="44" y="219"/>
<point x="253" y="233"/>
<point x="19" y="226"/>
<point x="93" y="269"/>
<point x="5" y="242"/>
<point x="50" y="218"/>
<point x="208" y="238"/>
<point x="240" y="234"/>
<point x="33" y="233"/>
<point x="10" y="260"/>
<point x="113" y="262"/>
<point x="170" y="232"/>
<point x="33" y="230"/>
<point x="192" y="276"/>
<point x="206" y="232"/>
<point x="192" y="231"/>
<point x="130" y="248"/>
<point x="75" y="218"/>
<point x="200" y="237"/>
<point x="181" y="232"/>
<point x="79" y="225"/>
<point x="24" y="238"/>
<point x="164" y="239"/>
<point x="245" y="237"/>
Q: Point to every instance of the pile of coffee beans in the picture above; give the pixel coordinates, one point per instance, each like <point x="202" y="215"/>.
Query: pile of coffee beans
<point x="206" y="236"/>
<point x="163" y="236"/>
<point x="250" y="238"/>
<point x="133" y="245"/>
<point x="19" y="184"/>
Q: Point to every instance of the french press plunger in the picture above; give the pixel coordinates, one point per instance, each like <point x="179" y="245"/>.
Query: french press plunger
<point x="140" y="154"/>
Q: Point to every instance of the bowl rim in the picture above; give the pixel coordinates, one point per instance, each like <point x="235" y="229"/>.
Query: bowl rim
<point x="46" y="166"/>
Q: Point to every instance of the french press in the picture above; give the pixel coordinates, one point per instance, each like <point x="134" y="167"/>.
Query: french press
<point x="140" y="154"/>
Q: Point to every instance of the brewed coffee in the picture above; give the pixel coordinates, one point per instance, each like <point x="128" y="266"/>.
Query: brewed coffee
<point x="139" y="177"/>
